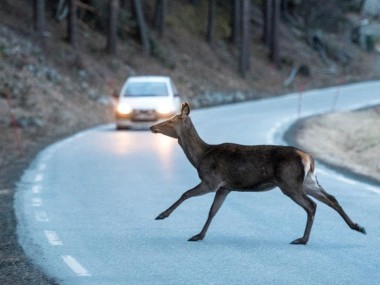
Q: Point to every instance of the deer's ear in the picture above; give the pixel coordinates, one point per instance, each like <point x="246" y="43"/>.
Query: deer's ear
<point x="185" y="110"/>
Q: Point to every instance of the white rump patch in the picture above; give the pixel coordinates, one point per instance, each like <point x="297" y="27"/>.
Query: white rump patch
<point x="311" y="181"/>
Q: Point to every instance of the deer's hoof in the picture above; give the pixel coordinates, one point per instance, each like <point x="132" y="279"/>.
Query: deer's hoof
<point x="299" y="241"/>
<point x="196" y="238"/>
<point x="361" y="229"/>
<point x="161" y="216"/>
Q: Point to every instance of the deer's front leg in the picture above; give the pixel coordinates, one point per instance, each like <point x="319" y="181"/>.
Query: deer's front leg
<point x="198" y="190"/>
<point x="220" y="196"/>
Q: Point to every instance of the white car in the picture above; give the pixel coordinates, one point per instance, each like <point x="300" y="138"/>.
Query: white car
<point x="144" y="100"/>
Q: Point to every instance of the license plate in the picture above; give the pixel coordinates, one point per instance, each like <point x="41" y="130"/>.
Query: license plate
<point x="144" y="115"/>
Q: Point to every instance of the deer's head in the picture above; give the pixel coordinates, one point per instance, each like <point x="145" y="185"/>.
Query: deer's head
<point x="172" y="127"/>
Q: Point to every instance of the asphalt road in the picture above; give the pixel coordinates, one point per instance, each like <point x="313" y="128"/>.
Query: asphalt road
<point x="86" y="207"/>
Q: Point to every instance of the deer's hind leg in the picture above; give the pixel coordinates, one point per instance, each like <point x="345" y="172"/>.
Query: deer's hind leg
<point x="297" y="194"/>
<point x="312" y="188"/>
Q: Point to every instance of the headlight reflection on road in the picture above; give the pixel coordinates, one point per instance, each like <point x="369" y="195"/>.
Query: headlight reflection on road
<point x="145" y="145"/>
<point x="164" y="147"/>
<point x="149" y="150"/>
<point x="123" y="143"/>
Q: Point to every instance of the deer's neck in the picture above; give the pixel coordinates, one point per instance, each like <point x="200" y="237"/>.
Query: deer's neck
<point x="191" y="143"/>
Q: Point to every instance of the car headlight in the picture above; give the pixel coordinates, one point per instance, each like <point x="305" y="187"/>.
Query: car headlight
<point x="165" y="109"/>
<point x="124" y="109"/>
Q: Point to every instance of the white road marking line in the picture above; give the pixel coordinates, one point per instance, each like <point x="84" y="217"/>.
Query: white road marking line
<point x="274" y="130"/>
<point x="39" y="177"/>
<point x="349" y="181"/>
<point x="75" y="265"/>
<point x="53" y="238"/>
<point x="36" y="202"/>
<point x="373" y="189"/>
<point x="346" y="180"/>
<point x="41" y="216"/>
<point x="322" y="171"/>
<point x="36" y="189"/>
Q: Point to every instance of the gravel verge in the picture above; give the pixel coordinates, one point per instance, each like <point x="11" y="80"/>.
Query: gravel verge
<point x="349" y="141"/>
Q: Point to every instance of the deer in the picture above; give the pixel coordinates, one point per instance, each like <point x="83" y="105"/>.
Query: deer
<point x="227" y="167"/>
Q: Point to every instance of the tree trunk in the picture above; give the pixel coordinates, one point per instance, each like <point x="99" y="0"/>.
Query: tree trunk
<point x="284" y="8"/>
<point x="142" y="26"/>
<point x="245" y="38"/>
<point x="123" y="4"/>
<point x="236" y="22"/>
<point x="159" y="17"/>
<point x="268" y="22"/>
<point x="113" y="6"/>
<point x="194" y="2"/>
<point x="210" y="21"/>
<point x="72" y="23"/>
<point x="274" y="51"/>
<point x="39" y="17"/>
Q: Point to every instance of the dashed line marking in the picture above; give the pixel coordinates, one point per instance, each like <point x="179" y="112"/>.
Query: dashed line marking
<point x="42" y="167"/>
<point x="53" y="238"/>
<point x="39" y="177"/>
<point x="75" y="266"/>
<point x="41" y="216"/>
<point x="36" y="189"/>
<point x="36" y="202"/>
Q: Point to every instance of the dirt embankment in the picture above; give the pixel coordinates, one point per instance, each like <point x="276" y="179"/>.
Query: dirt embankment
<point x="348" y="140"/>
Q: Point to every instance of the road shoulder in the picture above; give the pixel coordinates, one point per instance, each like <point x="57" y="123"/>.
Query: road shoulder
<point x="349" y="141"/>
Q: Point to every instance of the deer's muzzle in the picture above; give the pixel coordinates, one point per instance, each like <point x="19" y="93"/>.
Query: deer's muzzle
<point x="154" y="129"/>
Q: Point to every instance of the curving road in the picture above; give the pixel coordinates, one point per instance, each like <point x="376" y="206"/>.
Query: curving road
<point x="86" y="207"/>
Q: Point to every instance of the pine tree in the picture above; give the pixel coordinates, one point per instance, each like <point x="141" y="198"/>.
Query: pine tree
<point x="159" y="17"/>
<point x="210" y="20"/>
<point x="274" y="51"/>
<point x="72" y="23"/>
<point x="142" y="26"/>
<point x="39" y="17"/>
<point x="112" y="26"/>
<point x="244" y="61"/>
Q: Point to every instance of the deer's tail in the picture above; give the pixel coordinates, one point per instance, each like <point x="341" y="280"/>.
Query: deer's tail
<point x="310" y="178"/>
<point x="307" y="162"/>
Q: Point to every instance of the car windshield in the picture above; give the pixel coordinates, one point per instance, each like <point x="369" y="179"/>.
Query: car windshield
<point x="146" y="89"/>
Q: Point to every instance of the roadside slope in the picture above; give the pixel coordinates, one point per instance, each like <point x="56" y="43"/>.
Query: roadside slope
<point x="348" y="140"/>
